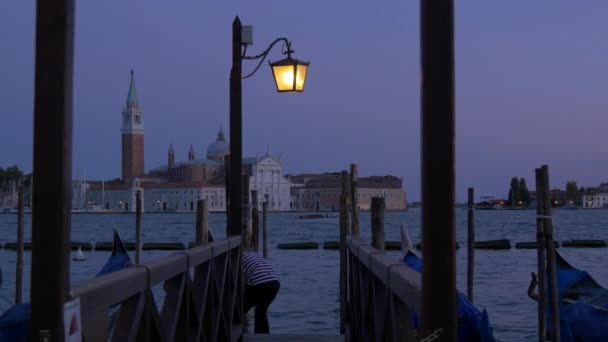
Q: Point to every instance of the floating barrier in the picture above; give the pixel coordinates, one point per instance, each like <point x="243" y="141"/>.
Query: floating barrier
<point x="392" y="245"/>
<point x="107" y="246"/>
<point x="388" y="245"/>
<point x="419" y="245"/>
<point x="163" y="246"/>
<point x="13" y="245"/>
<point x="331" y="245"/>
<point x="314" y="216"/>
<point x="585" y="243"/>
<point x="531" y="245"/>
<point x="493" y="244"/>
<point x="85" y="246"/>
<point x="298" y="245"/>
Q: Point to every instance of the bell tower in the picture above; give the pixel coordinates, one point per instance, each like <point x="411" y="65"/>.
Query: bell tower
<point x="132" y="132"/>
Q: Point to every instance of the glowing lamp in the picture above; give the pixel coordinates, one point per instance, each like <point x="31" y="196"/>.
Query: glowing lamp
<point x="289" y="74"/>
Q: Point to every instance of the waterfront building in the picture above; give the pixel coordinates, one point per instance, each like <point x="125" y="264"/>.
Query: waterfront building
<point x="595" y="201"/>
<point x="266" y="176"/>
<point x="321" y="192"/>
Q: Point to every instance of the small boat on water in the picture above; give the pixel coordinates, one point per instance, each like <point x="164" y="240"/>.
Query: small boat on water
<point x="473" y="324"/>
<point x="14" y="323"/>
<point x="79" y="255"/>
<point x="583" y="307"/>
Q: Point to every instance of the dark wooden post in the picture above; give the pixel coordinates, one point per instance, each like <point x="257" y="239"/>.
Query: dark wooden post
<point x="265" y="226"/>
<point x="344" y="199"/>
<point x="378" y="207"/>
<point x="354" y="194"/>
<point x="236" y="132"/>
<point x="19" y="271"/>
<point x="550" y="252"/>
<point x="138" y="226"/>
<point x="438" y="300"/>
<point x="255" y="221"/>
<point x="541" y="258"/>
<point x="471" y="244"/>
<point x="227" y="192"/>
<point x="202" y="221"/>
<point x="247" y="236"/>
<point x="51" y="216"/>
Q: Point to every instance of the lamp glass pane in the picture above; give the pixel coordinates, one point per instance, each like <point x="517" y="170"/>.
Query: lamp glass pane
<point x="301" y="76"/>
<point x="283" y="76"/>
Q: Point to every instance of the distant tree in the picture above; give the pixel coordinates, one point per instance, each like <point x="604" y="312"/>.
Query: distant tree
<point x="572" y="191"/>
<point x="524" y="194"/>
<point x="582" y="190"/>
<point x="514" y="191"/>
<point x="9" y="177"/>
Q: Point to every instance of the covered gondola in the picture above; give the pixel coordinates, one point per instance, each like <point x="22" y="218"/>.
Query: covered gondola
<point x="583" y="305"/>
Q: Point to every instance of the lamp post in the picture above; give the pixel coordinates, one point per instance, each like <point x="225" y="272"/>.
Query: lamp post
<point x="289" y="75"/>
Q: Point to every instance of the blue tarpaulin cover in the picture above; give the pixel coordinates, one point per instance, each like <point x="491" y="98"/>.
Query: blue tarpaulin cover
<point x="473" y="325"/>
<point x="585" y="319"/>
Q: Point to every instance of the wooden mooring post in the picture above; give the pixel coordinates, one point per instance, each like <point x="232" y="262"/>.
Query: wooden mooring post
<point x="378" y="207"/>
<point x="138" y="226"/>
<point x="265" y="226"/>
<point x="202" y="221"/>
<point x="52" y="168"/>
<point x="255" y="221"/>
<point x="19" y="271"/>
<point x="471" y="243"/>
<point x="354" y="194"/>
<point x="438" y="217"/>
<point x="227" y="192"/>
<point x="550" y="253"/>
<point x="344" y="199"/>
<point x="541" y="259"/>
<point x="246" y="210"/>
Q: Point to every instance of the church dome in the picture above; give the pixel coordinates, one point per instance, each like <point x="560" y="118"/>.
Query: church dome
<point x="218" y="149"/>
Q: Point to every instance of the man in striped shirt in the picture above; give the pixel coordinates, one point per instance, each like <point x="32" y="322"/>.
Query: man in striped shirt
<point x="262" y="285"/>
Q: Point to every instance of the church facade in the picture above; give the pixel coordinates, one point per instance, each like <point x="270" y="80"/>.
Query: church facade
<point x="177" y="185"/>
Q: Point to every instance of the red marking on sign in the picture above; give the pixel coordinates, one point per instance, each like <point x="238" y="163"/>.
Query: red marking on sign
<point x="73" y="326"/>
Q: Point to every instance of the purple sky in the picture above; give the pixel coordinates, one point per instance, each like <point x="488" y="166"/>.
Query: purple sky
<point x="531" y="86"/>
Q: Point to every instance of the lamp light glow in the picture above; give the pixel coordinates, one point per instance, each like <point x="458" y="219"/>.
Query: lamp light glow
<point x="289" y="74"/>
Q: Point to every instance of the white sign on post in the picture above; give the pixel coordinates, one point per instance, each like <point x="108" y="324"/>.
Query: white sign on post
<point x="71" y="321"/>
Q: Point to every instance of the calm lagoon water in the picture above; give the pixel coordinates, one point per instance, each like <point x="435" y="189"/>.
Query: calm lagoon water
<point x="308" y="299"/>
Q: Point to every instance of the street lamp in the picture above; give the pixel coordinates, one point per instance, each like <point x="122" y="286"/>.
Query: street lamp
<point x="289" y="75"/>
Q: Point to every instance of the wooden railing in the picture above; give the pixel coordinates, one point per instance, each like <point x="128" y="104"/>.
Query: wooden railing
<point x="203" y="298"/>
<point x="382" y="294"/>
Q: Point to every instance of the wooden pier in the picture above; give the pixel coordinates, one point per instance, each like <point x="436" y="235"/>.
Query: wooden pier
<point x="204" y="285"/>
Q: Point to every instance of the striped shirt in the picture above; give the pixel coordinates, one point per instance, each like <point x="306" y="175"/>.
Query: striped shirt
<point x="257" y="269"/>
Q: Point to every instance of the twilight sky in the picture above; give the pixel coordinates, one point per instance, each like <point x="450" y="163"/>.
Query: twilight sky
<point x="531" y="83"/>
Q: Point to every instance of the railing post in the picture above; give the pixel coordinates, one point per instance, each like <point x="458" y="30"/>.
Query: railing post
<point x="541" y="258"/>
<point x="202" y="221"/>
<point x="19" y="271"/>
<point x="437" y="171"/>
<point x="344" y="199"/>
<point x="138" y="226"/>
<point x="471" y="244"/>
<point x="378" y="207"/>
<point x="255" y="221"/>
<point x="354" y="193"/>
<point x="551" y="262"/>
<point x="265" y="226"/>
<point x="52" y="171"/>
